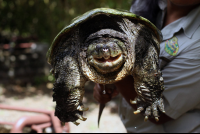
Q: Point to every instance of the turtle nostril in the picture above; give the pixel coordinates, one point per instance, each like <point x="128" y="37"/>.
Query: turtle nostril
<point x="105" y="50"/>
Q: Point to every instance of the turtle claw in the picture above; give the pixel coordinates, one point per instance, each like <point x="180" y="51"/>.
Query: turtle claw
<point x="82" y="108"/>
<point x="133" y="102"/>
<point x="81" y="117"/>
<point x="140" y="109"/>
<point x="137" y="112"/>
<point x="76" y="123"/>
<point x="146" y="118"/>
<point x="157" y="119"/>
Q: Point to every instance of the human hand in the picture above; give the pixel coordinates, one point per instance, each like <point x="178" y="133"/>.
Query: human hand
<point x="126" y="89"/>
<point x="110" y="92"/>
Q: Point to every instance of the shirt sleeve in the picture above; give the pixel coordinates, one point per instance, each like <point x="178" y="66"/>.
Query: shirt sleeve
<point x="182" y="82"/>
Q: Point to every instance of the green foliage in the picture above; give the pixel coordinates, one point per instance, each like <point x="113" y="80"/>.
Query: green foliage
<point x="45" y="18"/>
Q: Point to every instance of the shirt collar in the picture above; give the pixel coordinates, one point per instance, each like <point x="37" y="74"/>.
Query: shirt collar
<point x="188" y="23"/>
<point x="192" y="22"/>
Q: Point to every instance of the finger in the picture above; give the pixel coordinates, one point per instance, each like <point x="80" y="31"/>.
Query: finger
<point x="102" y="101"/>
<point x="115" y="93"/>
<point x="108" y="91"/>
<point x="103" y="89"/>
<point x="102" y="98"/>
<point x="98" y="94"/>
<point x="99" y="87"/>
<point x="110" y="88"/>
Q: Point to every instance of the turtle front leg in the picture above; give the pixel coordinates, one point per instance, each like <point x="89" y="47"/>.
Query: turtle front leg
<point x="69" y="90"/>
<point x="149" y="85"/>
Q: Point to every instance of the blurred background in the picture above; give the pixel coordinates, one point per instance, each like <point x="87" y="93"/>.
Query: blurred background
<point x="27" y="28"/>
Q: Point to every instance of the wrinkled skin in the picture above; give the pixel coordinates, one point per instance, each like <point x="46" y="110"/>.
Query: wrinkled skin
<point x="105" y="49"/>
<point x="106" y="55"/>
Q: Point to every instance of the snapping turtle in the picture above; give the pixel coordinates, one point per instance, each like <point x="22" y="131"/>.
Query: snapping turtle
<point x="104" y="46"/>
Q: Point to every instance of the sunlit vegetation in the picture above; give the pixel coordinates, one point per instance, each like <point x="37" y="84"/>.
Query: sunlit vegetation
<point x="45" y="18"/>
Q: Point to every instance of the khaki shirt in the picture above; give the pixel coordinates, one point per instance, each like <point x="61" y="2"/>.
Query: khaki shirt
<point x="180" y="63"/>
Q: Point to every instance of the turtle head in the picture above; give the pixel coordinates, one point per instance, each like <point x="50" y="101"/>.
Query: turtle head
<point x="106" y="54"/>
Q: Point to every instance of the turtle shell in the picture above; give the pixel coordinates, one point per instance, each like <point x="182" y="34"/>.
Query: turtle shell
<point x="95" y="12"/>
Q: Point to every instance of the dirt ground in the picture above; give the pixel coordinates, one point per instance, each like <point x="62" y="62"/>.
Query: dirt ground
<point x="40" y="98"/>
